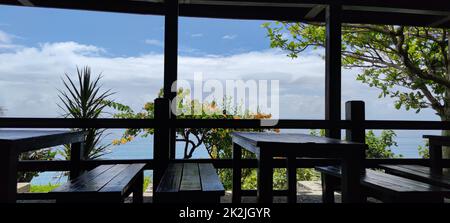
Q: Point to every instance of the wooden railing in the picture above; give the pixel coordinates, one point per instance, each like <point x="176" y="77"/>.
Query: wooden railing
<point x="355" y="126"/>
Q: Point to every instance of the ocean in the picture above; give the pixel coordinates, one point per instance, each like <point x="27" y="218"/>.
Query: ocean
<point x="142" y="148"/>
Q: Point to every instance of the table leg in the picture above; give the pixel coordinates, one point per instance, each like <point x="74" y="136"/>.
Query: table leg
<point x="237" y="174"/>
<point x="352" y="169"/>
<point x="435" y="158"/>
<point x="265" y="177"/>
<point x="76" y="156"/>
<point x="8" y="176"/>
<point x="292" y="179"/>
<point x="138" y="188"/>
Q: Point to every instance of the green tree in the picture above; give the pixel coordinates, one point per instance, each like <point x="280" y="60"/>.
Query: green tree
<point x="217" y="141"/>
<point x="408" y="64"/>
<point x="83" y="98"/>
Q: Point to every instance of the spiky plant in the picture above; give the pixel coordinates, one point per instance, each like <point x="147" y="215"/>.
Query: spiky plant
<point x="84" y="99"/>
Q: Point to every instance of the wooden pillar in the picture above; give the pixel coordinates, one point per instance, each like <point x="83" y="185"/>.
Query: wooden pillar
<point x="171" y="60"/>
<point x="161" y="140"/>
<point x="333" y="68"/>
<point x="76" y="157"/>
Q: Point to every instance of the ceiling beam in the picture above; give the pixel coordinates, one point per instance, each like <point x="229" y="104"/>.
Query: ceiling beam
<point x="26" y="2"/>
<point x="315" y="11"/>
<point x="440" y="22"/>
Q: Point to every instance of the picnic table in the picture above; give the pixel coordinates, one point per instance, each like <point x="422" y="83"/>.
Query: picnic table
<point x="267" y="145"/>
<point x="15" y="142"/>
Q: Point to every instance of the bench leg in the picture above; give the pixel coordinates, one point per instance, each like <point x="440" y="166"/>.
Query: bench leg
<point x="292" y="179"/>
<point x="328" y="187"/>
<point x="138" y="191"/>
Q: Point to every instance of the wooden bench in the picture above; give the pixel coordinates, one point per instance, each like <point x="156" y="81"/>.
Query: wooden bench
<point x="189" y="183"/>
<point x="419" y="173"/>
<point x="385" y="187"/>
<point x="104" y="184"/>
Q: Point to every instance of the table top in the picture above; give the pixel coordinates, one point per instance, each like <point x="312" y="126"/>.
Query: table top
<point x="282" y="143"/>
<point x="259" y="138"/>
<point x="25" y="140"/>
<point x="438" y="139"/>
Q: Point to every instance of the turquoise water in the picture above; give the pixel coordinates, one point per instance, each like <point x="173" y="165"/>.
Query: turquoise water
<point x="142" y="148"/>
<point x="139" y="148"/>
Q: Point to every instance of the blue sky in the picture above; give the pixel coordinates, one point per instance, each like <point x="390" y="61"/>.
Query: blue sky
<point x="38" y="45"/>
<point x="129" y="35"/>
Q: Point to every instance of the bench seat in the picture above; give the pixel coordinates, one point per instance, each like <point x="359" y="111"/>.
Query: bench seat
<point x="385" y="187"/>
<point x="105" y="183"/>
<point x="419" y="173"/>
<point x="189" y="183"/>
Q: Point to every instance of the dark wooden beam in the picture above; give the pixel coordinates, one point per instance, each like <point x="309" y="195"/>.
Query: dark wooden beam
<point x="26" y="2"/>
<point x="63" y="165"/>
<point x="440" y="21"/>
<point x="216" y="123"/>
<point x="333" y="67"/>
<point x="371" y="12"/>
<point x="161" y="141"/>
<point x="171" y="62"/>
<point x="170" y="47"/>
<point x="315" y="11"/>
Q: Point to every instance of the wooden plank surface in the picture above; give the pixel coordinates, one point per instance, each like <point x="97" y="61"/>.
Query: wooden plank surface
<point x="172" y="178"/>
<point x="259" y="138"/>
<point x="94" y="184"/>
<point x="27" y="140"/>
<point x="86" y="177"/>
<point x="417" y="172"/>
<point x="122" y="181"/>
<point x="209" y="179"/>
<point x="191" y="178"/>
<point x="387" y="182"/>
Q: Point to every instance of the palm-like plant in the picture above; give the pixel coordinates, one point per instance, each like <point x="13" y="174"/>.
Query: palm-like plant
<point x="84" y="99"/>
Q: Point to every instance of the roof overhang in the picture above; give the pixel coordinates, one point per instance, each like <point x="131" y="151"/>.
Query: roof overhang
<point x="434" y="13"/>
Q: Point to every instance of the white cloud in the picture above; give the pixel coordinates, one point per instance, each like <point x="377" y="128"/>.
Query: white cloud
<point x="229" y="37"/>
<point x="196" y="35"/>
<point x="5" y="37"/>
<point x="6" y="40"/>
<point x="154" y="42"/>
<point x="30" y="77"/>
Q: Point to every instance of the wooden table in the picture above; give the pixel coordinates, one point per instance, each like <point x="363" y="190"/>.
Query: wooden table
<point x="14" y="142"/>
<point x="435" y="148"/>
<point x="266" y="146"/>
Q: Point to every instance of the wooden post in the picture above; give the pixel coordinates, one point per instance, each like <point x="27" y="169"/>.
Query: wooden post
<point x="265" y="176"/>
<point x="161" y="140"/>
<point x="8" y="175"/>
<point x="435" y="151"/>
<point x="171" y="60"/>
<point x="355" y="112"/>
<point x="353" y="163"/>
<point x="237" y="174"/>
<point x="292" y="179"/>
<point x="138" y="188"/>
<point x="333" y="68"/>
<point x="76" y="157"/>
